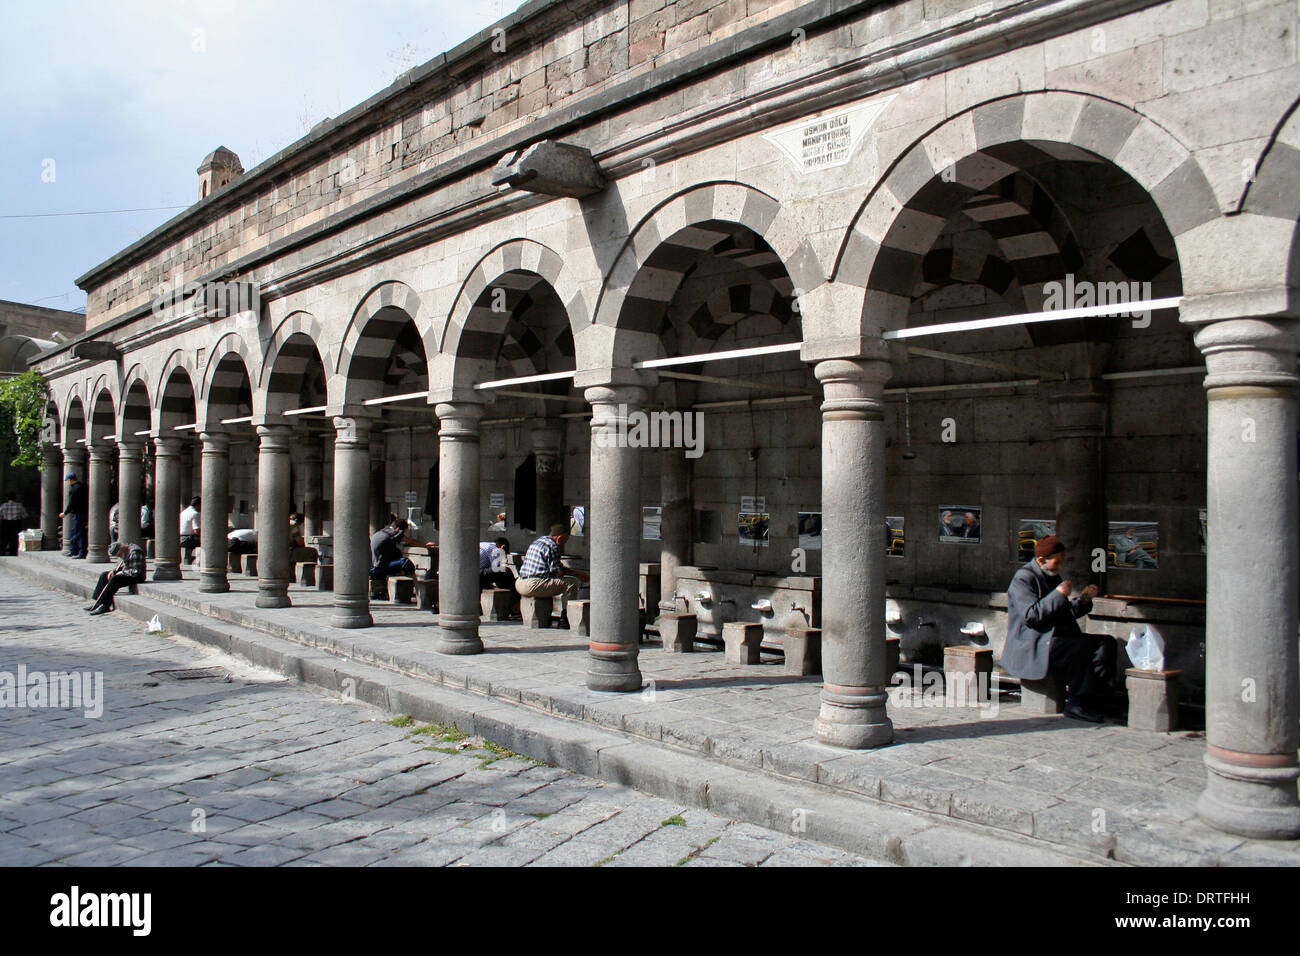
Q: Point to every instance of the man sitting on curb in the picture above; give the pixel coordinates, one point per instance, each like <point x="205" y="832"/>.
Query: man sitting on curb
<point x="130" y="570"/>
<point x="543" y="575"/>
<point x="1043" y="635"/>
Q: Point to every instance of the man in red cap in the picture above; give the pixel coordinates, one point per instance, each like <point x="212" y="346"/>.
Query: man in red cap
<point x="1043" y="634"/>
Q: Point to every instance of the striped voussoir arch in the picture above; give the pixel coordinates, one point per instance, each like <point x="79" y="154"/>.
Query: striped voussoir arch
<point x="103" y="411"/>
<point x="1274" y="189"/>
<point x="293" y="350"/>
<point x="175" y="401"/>
<point x="227" y="380"/>
<point x="725" y="219"/>
<point x="940" y="175"/>
<point x="368" y="340"/>
<point x="492" y="302"/>
<point x="135" y="413"/>
<point x="73" y="424"/>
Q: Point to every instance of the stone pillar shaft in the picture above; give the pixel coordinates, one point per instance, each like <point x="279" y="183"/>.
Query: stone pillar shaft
<point x="274" y="442"/>
<point x="97" y="488"/>
<point x="1252" y="697"/>
<point x="458" y="525"/>
<point x="615" y="540"/>
<point x="51" y="496"/>
<point x="130" y="480"/>
<point x="74" y="462"/>
<point x="674" y="523"/>
<point x="853" y="577"/>
<point x="167" y="508"/>
<point x="351" y="539"/>
<point x="215" y="485"/>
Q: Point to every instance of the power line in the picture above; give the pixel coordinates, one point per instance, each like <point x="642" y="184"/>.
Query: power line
<point x="94" y="212"/>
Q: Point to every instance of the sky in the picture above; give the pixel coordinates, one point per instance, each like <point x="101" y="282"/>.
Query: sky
<point x="112" y="104"/>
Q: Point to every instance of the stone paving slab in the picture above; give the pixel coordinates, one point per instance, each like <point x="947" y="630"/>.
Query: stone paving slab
<point x="1001" y="769"/>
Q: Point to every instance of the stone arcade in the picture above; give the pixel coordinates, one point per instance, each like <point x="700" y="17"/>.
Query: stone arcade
<point x="802" y="194"/>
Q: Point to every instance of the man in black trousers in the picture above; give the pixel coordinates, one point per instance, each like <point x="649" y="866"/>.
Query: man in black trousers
<point x="130" y="570"/>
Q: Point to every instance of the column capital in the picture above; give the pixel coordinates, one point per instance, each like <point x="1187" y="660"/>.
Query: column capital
<point x="616" y="394"/>
<point x="101" y="451"/>
<point x="73" y="454"/>
<point x="854" y="388"/>
<point x="168" y="446"/>
<point x="459" y="419"/>
<point x="1077" y="406"/>
<point x="130" y="448"/>
<point x="215" y="442"/>
<point x="275" y="437"/>
<point x="1250" y="353"/>
<point x="351" y="430"/>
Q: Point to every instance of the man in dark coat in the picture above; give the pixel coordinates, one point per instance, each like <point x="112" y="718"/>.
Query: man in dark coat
<point x="76" y="507"/>
<point x="1043" y="635"/>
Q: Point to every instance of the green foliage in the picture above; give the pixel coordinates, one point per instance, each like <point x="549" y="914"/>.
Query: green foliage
<point x="23" y="400"/>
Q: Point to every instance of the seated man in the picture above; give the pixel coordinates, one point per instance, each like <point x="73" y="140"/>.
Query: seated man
<point x="241" y="541"/>
<point x="130" y="570"/>
<point x="492" y="569"/>
<point x="298" y="550"/>
<point x="543" y="575"/>
<point x="1043" y="635"/>
<point x="386" y="557"/>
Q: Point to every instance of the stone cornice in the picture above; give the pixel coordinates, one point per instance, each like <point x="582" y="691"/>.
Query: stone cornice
<point x="1021" y="24"/>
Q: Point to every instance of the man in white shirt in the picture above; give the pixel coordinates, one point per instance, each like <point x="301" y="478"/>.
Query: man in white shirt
<point x="242" y="541"/>
<point x="190" y="529"/>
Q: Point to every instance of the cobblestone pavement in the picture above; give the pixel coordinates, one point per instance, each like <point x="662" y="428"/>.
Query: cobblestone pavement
<point x="259" y="771"/>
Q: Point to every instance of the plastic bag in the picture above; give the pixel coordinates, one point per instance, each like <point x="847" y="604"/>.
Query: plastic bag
<point x="155" y="625"/>
<point x="1146" y="648"/>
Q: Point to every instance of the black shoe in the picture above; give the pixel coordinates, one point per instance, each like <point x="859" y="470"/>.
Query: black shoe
<point x="1079" y="712"/>
<point x="99" y="610"/>
<point x="90" y="607"/>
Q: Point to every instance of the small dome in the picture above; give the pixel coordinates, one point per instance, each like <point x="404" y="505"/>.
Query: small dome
<point x="220" y="158"/>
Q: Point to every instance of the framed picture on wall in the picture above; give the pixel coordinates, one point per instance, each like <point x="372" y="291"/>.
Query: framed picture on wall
<point x="578" y="521"/>
<point x="651" y="519"/>
<point x="959" y="524"/>
<point x="1133" y="545"/>
<point x="810" y="530"/>
<point x="753" y="528"/>
<point x="895" y="541"/>
<point x="1025" y="535"/>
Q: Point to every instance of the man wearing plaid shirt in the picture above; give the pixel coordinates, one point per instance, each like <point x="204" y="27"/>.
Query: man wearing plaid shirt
<point x="130" y="570"/>
<point x="12" y="516"/>
<point x="543" y="575"/>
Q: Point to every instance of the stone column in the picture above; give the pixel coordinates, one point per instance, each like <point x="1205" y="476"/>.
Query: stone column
<point x="1252" y="698"/>
<point x="853" y="560"/>
<point x="273" y="515"/>
<point x="378" y="503"/>
<point x="312" y="460"/>
<point x="186" y="473"/>
<point x="458" y="526"/>
<point x="130" y="481"/>
<point x="214" y="513"/>
<point x="51" y="496"/>
<point x="100" y="478"/>
<point x="674" y="522"/>
<point x="74" y="461"/>
<point x="1078" y="409"/>
<point x="167" y="508"/>
<point x="615" y="540"/>
<point x="548" y="454"/>
<point x="351" y="538"/>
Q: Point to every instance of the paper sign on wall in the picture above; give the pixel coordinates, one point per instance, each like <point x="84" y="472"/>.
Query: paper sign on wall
<point x="757" y="503"/>
<point x="498" y="500"/>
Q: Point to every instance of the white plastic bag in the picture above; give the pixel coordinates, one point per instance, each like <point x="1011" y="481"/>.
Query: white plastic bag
<point x="1146" y="648"/>
<point x="155" y="625"/>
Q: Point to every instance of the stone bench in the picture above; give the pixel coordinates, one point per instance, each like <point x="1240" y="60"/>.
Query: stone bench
<point x="304" y="572"/>
<point x="967" y="675"/>
<point x="803" y="650"/>
<point x="248" y="563"/>
<point x="893" y="655"/>
<point x="1152" y="699"/>
<point x="402" y="589"/>
<point x="580" y="617"/>
<point x="232" y="558"/>
<point x="1041" y="696"/>
<point x="677" y="631"/>
<point x="324" y="577"/>
<point x="495" y="604"/>
<point x="426" y="593"/>
<point x="742" y="642"/>
<point x="537" y="611"/>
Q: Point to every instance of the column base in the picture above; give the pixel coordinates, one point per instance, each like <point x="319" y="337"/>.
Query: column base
<point x="1255" y="802"/>
<point x="457" y="634"/>
<point x="350" y="619"/>
<point x="613" y="668"/>
<point x="213" y="582"/>
<point x="272" y="596"/>
<point x="167" y="572"/>
<point x="101" y="558"/>
<point x="853" y="717"/>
